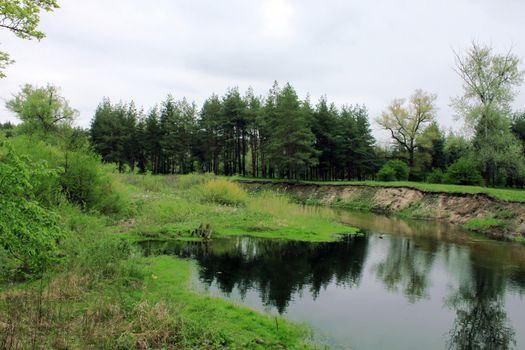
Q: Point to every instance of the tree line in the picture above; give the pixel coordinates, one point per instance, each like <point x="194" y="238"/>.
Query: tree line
<point x="280" y="135"/>
<point x="275" y="136"/>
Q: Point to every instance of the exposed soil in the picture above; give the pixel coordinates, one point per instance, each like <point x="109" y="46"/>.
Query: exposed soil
<point x="455" y="208"/>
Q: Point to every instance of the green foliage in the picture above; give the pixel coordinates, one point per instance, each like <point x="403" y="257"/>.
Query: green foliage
<point x="430" y="152"/>
<point x="87" y="183"/>
<point x="29" y="233"/>
<point x="485" y="225"/>
<point x="5" y="60"/>
<point x="490" y="83"/>
<point x="275" y="136"/>
<point x="82" y="179"/>
<point x="222" y="191"/>
<point x="393" y="170"/>
<point x="456" y="146"/>
<point x="41" y="108"/>
<point x="386" y="173"/>
<point x="22" y="18"/>
<point x="463" y="172"/>
<point x="498" y="152"/>
<point x="291" y="142"/>
<point x="401" y="169"/>
<point x="436" y="176"/>
<point x="406" y="121"/>
<point x="355" y="151"/>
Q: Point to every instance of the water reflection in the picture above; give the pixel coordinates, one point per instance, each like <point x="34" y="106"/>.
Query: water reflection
<point x="276" y="269"/>
<point x="481" y="319"/>
<point x="406" y="268"/>
<point x="458" y="287"/>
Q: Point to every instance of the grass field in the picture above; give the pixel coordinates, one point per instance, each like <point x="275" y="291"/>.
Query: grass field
<point x="172" y="207"/>
<point x="505" y="194"/>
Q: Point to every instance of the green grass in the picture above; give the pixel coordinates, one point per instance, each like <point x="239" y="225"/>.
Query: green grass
<point x="518" y="239"/>
<point x="105" y="295"/>
<point x="484" y="225"/>
<point x="174" y="211"/>
<point x="238" y="327"/>
<point x="144" y="304"/>
<point x="505" y="194"/>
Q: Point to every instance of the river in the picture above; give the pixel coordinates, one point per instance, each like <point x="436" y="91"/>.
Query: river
<point x="400" y="285"/>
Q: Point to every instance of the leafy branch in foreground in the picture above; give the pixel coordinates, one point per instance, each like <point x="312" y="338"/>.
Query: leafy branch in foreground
<point x="29" y="232"/>
<point x="22" y="17"/>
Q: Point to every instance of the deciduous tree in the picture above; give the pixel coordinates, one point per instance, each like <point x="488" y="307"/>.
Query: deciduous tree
<point x="406" y="120"/>
<point x="489" y="86"/>
<point x="42" y="107"/>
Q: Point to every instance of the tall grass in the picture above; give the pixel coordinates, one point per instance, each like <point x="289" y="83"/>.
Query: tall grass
<point x="221" y="191"/>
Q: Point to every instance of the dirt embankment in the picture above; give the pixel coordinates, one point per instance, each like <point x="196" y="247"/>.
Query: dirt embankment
<point x="496" y="218"/>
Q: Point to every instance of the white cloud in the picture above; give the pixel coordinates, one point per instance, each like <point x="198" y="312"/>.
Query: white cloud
<point x="365" y="52"/>
<point x="277" y="18"/>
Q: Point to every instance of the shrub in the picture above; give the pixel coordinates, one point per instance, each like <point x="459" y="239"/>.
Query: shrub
<point x="393" y="170"/>
<point x="436" y="176"/>
<point x="29" y="232"/>
<point x="81" y="177"/>
<point x="463" y="172"/>
<point x="386" y="173"/>
<point x="222" y="191"/>
<point x="86" y="182"/>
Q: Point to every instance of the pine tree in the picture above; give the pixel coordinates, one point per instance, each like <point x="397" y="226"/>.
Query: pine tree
<point x="291" y="142"/>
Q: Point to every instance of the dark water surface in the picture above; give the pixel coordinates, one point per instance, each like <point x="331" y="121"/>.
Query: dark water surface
<point x="402" y="285"/>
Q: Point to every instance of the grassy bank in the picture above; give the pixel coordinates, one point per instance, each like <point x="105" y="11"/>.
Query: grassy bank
<point x="504" y="194"/>
<point x="175" y="207"/>
<point x="102" y="293"/>
<point x="145" y="304"/>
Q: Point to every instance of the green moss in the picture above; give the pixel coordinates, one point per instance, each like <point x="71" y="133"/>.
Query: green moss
<point x="518" y="239"/>
<point x="485" y="225"/>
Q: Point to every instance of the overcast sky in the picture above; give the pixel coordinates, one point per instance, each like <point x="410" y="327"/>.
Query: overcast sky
<point x="365" y="52"/>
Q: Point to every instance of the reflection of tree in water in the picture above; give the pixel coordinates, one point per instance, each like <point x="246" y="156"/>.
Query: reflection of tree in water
<point x="517" y="281"/>
<point x="278" y="269"/>
<point x="406" y="266"/>
<point x="481" y="320"/>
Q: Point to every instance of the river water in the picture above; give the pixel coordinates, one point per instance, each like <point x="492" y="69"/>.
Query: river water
<point x="400" y="285"/>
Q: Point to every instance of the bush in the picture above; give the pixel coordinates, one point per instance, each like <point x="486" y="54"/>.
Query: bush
<point x="386" y="173"/>
<point x="85" y="181"/>
<point x="222" y="191"/>
<point x="436" y="176"/>
<point x="463" y="172"/>
<point x="393" y="170"/>
<point x="81" y="177"/>
<point x="29" y="232"/>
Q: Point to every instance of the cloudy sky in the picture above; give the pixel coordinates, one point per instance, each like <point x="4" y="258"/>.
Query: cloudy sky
<point x="365" y="52"/>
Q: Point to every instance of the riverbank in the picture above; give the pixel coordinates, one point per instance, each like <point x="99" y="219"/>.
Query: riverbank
<point x="103" y="293"/>
<point x="497" y="213"/>
<point x="145" y="303"/>
<point x="192" y="206"/>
